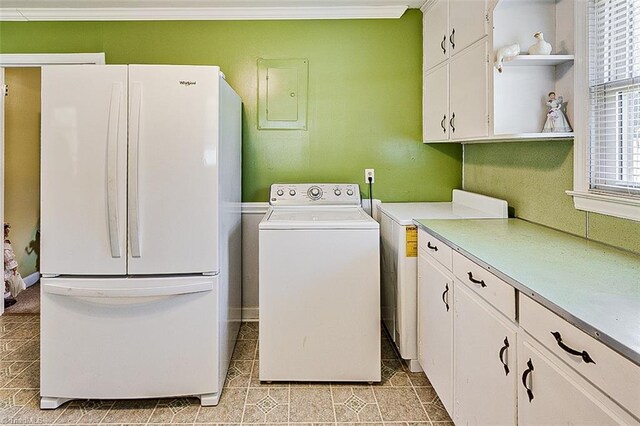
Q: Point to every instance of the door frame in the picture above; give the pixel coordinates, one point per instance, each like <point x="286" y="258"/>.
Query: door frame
<point x="20" y="60"/>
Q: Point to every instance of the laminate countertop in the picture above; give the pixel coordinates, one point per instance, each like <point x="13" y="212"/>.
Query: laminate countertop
<point x="594" y="286"/>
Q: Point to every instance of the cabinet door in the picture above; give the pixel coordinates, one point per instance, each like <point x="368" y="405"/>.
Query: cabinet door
<point x="467" y="23"/>
<point x="435" y="328"/>
<point x="435" y="104"/>
<point x="435" y="34"/>
<point x="484" y="362"/>
<point x="468" y="93"/>
<point x="555" y="396"/>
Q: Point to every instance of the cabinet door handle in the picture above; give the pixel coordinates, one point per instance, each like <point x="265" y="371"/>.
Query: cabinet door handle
<point x="442" y="45"/>
<point x="429" y="246"/>
<point x="501" y="354"/>
<point x="525" y="375"/>
<point x="473" y="280"/>
<point x="451" y="38"/>
<point x="584" y="354"/>
<point x="453" y="117"/>
<point x="444" y="296"/>
<point x="444" y="118"/>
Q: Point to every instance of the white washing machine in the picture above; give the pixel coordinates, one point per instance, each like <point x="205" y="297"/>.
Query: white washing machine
<point x="399" y="265"/>
<point x="319" y="286"/>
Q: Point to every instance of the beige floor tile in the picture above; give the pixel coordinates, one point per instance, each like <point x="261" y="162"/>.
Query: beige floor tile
<point x="399" y="404"/>
<point x="426" y="394"/>
<point x="31" y="413"/>
<point x="131" y="411"/>
<point x="436" y="411"/>
<point x="84" y="412"/>
<point x="245" y="350"/>
<point x="387" y="349"/>
<point x="29" y="378"/>
<point x="239" y="374"/>
<point x="9" y="370"/>
<point x="175" y="410"/>
<point x="9" y="345"/>
<point x="29" y="351"/>
<point x="419" y="379"/>
<point x="311" y="405"/>
<point x="228" y="410"/>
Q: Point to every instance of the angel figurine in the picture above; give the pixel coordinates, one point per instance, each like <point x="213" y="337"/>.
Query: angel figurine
<point x="556" y="119"/>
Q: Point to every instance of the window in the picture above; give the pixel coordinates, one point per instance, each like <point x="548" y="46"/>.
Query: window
<point x="607" y="165"/>
<point x="614" y="94"/>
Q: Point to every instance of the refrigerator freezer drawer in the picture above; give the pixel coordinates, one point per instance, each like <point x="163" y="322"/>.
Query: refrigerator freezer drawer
<point x="158" y="341"/>
<point x="128" y="287"/>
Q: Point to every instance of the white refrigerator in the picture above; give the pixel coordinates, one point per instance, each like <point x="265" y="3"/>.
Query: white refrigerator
<point x="141" y="235"/>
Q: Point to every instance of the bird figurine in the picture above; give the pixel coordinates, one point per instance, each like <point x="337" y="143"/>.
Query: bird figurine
<point x="506" y="52"/>
<point x="540" y="47"/>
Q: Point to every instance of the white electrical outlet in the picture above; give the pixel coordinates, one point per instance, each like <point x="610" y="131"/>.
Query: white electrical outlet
<point x="369" y="173"/>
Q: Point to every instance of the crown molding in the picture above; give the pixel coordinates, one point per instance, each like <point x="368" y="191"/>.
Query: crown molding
<point x="201" y="13"/>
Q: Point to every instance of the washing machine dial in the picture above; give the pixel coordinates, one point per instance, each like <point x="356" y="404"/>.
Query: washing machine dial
<point x="337" y="192"/>
<point x="292" y="192"/>
<point x="349" y="192"/>
<point x="314" y="192"/>
<point x="280" y="192"/>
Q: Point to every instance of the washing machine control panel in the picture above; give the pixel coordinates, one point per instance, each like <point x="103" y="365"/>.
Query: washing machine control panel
<point x="339" y="194"/>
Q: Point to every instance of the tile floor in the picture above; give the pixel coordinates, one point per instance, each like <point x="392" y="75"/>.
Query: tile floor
<point x="402" y="398"/>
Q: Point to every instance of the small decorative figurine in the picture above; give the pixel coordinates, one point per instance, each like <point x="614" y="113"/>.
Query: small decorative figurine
<point x="506" y="52"/>
<point x="540" y="47"/>
<point x="556" y="119"/>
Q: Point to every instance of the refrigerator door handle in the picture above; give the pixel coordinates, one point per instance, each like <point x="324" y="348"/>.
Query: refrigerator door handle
<point x="112" y="169"/>
<point x="78" y="290"/>
<point x="134" y="145"/>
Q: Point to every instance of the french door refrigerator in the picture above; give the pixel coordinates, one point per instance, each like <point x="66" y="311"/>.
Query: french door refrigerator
<point x="140" y="231"/>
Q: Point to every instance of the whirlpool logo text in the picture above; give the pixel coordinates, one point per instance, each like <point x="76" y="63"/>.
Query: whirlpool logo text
<point x="187" y="83"/>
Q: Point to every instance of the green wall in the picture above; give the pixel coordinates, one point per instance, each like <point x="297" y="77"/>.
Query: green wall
<point x="533" y="178"/>
<point x="365" y="85"/>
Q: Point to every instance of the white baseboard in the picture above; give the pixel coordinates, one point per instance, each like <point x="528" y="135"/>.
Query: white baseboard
<point x="250" y="314"/>
<point x="32" y="279"/>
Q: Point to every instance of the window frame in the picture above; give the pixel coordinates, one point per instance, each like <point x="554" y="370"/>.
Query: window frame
<point x="584" y="198"/>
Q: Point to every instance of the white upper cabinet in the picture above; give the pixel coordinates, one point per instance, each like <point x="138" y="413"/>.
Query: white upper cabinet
<point x="436" y="34"/>
<point x="436" y="104"/>
<point x="507" y="105"/>
<point x="450" y="26"/>
<point x="455" y="92"/>
<point x="468" y="22"/>
<point x="468" y="93"/>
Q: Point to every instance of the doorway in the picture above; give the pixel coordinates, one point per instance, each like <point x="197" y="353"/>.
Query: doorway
<point x="22" y="188"/>
<point x="17" y="163"/>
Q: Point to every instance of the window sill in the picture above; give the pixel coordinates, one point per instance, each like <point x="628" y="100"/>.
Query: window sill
<point x="626" y="208"/>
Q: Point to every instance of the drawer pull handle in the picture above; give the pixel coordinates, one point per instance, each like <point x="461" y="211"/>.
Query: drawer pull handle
<point x="451" y="122"/>
<point x="584" y="354"/>
<point x="451" y="39"/>
<point x="434" y="248"/>
<point x="444" y="296"/>
<point x="444" y="129"/>
<point x="502" y="351"/>
<point x="444" y="49"/>
<point x="524" y="379"/>
<point x="473" y="280"/>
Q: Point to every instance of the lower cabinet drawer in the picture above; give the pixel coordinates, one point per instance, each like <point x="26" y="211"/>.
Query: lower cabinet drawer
<point x="435" y="248"/>
<point x="491" y="288"/>
<point x="614" y="374"/>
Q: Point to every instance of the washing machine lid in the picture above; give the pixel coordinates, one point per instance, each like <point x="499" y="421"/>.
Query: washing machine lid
<point x="318" y="218"/>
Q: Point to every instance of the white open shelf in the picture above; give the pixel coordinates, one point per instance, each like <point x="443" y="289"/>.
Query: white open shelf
<point x="520" y="137"/>
<point x="538" y="60"/>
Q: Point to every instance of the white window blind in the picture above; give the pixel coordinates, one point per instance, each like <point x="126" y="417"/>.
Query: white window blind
<point x="614" y="94"/>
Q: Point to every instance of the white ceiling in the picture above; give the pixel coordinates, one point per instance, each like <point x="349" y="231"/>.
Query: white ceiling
<point x="103" y="10"/>
<point x="23" y="4"/>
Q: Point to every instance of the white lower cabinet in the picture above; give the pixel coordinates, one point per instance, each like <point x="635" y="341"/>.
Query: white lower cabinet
<point x="485" y="362"/>
<point x="435" y="327"/>
<point x="550" y="393"/>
